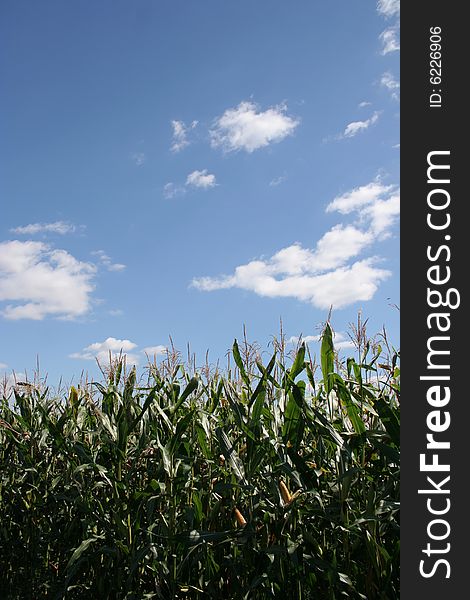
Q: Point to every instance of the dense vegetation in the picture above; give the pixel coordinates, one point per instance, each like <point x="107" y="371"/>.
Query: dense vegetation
<point x="268" y="481"/>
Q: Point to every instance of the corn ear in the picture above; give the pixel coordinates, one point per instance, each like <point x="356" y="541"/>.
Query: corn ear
<point x="240" y="518"/>
<point x="286" y="495"/>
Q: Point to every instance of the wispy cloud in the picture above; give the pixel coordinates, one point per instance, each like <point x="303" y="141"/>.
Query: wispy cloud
<point x="248" y="128"/>
<point x="390" y="40"/>
<point x="138" y="158"/>
<point x="352" y="129"/>
<point x="115" y="267"/>
<point x="389" y="82"/>
<point x="364" y="104"/>
<point x="180" y="135"/>
<point x="201" y="179"/>
<point x="331" y="273"/>
<point x="173" y="190"/>
<point x="388" y="8"/>
<point x="106" y="261"/>
<point x="278" y="180"/>
<point x="37" y="281"/>
<point x="60" y="227"/>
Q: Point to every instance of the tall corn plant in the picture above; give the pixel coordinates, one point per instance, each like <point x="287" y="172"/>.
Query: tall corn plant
<point x="261" y="483"/>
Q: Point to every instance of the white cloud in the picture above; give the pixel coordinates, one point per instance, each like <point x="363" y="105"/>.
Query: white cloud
<point x="159" y="350"/>
<point x="172" y="190"/>
<point x="115" y="312"/>
<point x="38" y="281"/>
<point x="356" y="126"/>
<point x="8" y="382"/>
<point x="390" y="40"/>
<point x="333" y="249"/>
<point x="180" y="135"/>
<point x="60" y="227"/>
<point x="247" y="128"/>
<point x="340" y="288"/>
<point x="325" y="275"/>
<point x="210" y="284"/>
<point x="375" y="203"/>
<point x="364" y="104"/>
<point x="3" y="366"/>
<point x="201" y="179"/>
<point x="341" y="341"/>
<point x="139" y="158"/>
<point x="295" y="339"/>
<point x="382" y="214"/>
<point x="388" y="8"/>
<point x="358" y="197"/>
<point x="113" y="347"/>
<point x="338" y="245"/>
<point x="389" y="82"/>
<point x="106" y="261"/>
<point x="344" y="344"/>
<point x="101" y="351"/>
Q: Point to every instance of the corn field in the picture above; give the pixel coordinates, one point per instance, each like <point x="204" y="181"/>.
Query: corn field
<point x="276" y="480"/>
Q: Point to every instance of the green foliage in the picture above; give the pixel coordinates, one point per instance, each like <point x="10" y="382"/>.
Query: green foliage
<point x="245" y="486"/>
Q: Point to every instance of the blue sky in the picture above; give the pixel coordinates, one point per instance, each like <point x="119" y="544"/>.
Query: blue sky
<point x="183" y="169"/>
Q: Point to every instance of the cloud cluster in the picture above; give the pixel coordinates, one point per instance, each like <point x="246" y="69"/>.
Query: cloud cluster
<point x="331" y="273"/>
<point x="246" y="127"/>
<point x="113" y="348"/>
<point x="37" y="281"/>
